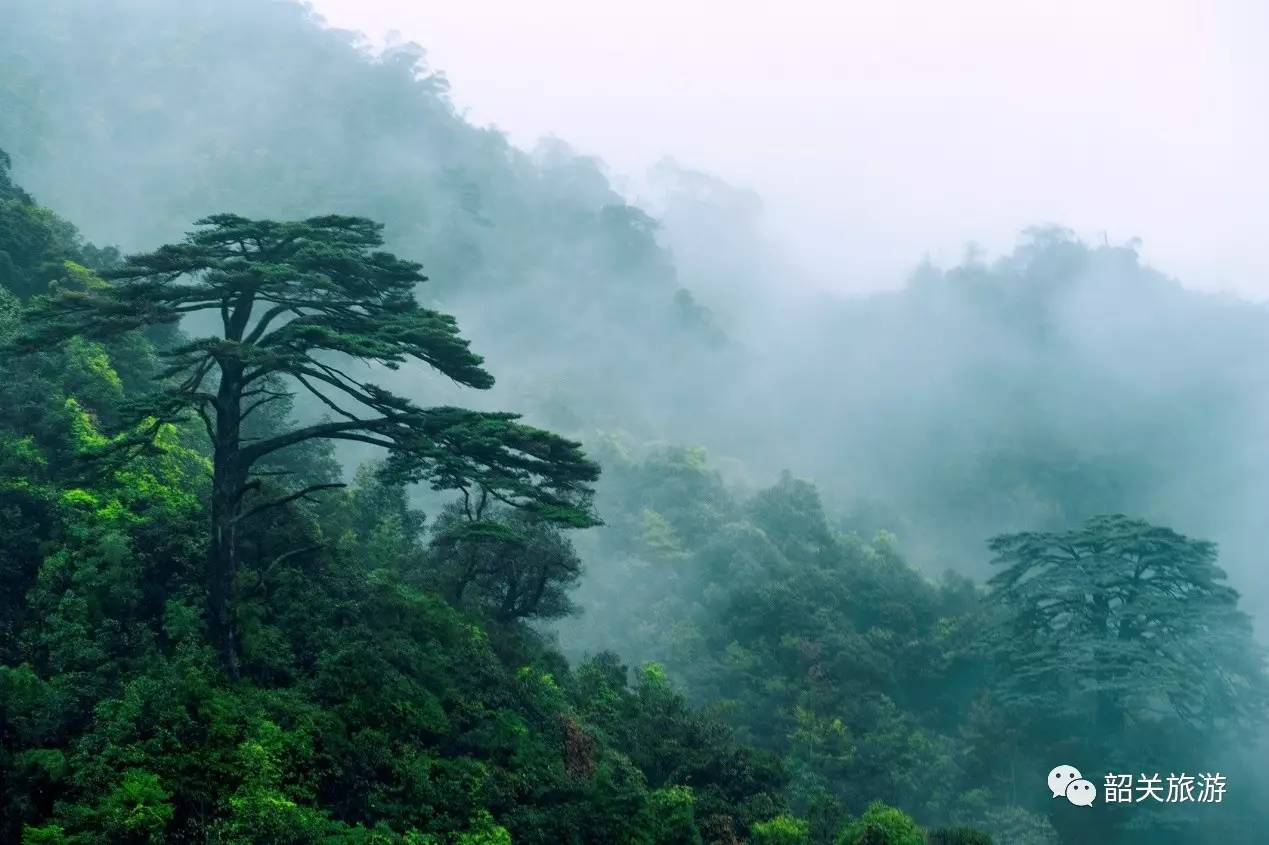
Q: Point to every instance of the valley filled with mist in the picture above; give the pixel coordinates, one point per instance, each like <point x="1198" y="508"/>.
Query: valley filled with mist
<point x="783" y="565"/>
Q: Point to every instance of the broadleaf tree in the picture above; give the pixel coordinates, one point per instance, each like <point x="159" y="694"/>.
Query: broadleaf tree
<point x="293" y="304"/>
<point x="512" y="564"/>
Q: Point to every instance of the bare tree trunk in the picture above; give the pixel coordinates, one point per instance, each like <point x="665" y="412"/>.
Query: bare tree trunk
<point x="228" y="481"/>
<point x="222" y="568"/>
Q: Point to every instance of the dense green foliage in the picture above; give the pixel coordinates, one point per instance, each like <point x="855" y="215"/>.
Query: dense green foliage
<point x="874" y="683"/>
<point x="440" y="666"/>
<point x="299" y="305"/>
<point x="881" y="825"/>
<point x="368" y="708"/>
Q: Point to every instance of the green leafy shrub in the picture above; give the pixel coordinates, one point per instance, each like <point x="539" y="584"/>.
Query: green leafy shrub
<point x="882" y="825"/>
<point x="782" y="830"/>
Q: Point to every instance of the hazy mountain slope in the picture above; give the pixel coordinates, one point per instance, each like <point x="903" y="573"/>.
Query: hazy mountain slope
<point x="1057" y="381"/>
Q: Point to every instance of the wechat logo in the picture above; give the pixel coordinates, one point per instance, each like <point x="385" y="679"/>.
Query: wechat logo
<point x="1067" y="781"/>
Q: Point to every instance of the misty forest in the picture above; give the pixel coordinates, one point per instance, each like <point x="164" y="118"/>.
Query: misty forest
<point x="365" y="478"/>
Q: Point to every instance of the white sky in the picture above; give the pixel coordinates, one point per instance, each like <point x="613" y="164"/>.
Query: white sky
<point x="882" y="132"/>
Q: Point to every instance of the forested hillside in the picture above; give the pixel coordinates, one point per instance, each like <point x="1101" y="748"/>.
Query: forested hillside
<point x="863" y="573"/>
<point x="362" y="706"/>
<point x="984" y="398"/>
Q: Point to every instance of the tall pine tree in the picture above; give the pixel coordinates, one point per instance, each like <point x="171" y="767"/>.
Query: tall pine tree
<point x="295" y="302"/>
